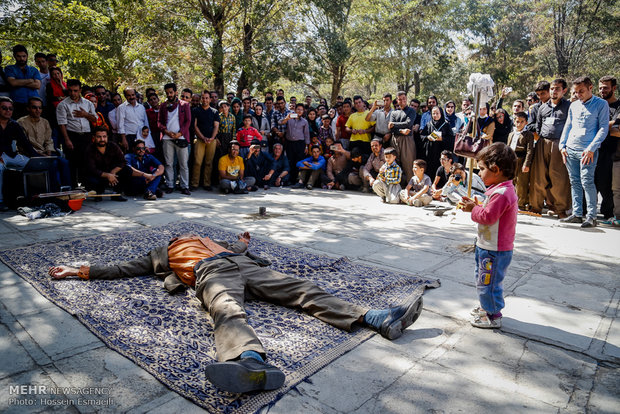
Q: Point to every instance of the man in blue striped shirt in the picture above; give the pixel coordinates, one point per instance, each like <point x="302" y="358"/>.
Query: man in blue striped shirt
<point x="586" y="127"/>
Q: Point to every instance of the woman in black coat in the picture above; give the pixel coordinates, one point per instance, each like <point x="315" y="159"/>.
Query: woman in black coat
<point x="436" y="136"/>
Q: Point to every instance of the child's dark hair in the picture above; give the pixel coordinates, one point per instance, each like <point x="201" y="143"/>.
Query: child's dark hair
<point x="145" y="127"/>
<point x="389" y="151"/>
<point x="501" y="156"/>
<point x="521" y="115"/>
<point x="420" y="163"/>
<point x="456" y="166"/>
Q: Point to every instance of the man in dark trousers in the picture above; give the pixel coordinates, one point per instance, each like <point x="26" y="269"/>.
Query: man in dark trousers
<point x="106" y="166"/>
<point x="223" y="273"/>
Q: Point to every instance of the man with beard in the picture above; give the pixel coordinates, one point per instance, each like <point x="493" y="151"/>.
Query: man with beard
<point x="607" y="151"/>
<point x="25" y="81"/>
<point x="106" y="166"/>
<point x="401" y="126"/>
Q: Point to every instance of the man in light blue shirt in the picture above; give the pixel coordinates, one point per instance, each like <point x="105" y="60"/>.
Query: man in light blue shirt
<point x="586" y="127"/>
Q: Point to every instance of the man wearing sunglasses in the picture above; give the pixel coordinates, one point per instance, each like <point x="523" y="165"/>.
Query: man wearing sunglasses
<point x="11" y="137"/>
<point x="151" y="171"/>
<point x="39" y="133"/>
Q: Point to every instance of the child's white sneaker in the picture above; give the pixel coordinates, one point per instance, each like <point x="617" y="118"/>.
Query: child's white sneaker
<point x="486" y="322"/>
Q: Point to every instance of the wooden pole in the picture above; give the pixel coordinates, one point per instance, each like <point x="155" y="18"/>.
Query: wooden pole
<point x="474" y="131"/>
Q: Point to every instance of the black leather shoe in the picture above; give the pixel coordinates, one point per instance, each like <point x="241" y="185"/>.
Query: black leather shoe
<point x="588" y="223"/>
<point x="186" y="191"/>
<point x="400" y="318"/>
<point x="572" y="219"/>
<point x="169" y="190"/>
<point x="245" y="375"/>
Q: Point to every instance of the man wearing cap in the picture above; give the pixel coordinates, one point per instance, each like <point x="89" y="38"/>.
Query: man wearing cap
<point x="206" y="126"/>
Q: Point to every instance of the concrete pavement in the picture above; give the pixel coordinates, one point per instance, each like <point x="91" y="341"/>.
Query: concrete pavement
<point x="558" y="351"/>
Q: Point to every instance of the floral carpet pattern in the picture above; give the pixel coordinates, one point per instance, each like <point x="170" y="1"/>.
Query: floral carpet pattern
<point x="171" y="336"/>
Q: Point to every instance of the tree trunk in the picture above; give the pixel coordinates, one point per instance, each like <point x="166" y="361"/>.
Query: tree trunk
<point x="217" y="61"/>
<point x="416" y="83"/>
<point x="244" y="80"/>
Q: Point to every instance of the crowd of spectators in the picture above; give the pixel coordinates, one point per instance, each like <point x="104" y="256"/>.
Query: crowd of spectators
<point x="153" y="143"/>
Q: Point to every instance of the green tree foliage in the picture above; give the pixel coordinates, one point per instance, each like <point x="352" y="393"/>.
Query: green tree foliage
<point x="327" y="47"/>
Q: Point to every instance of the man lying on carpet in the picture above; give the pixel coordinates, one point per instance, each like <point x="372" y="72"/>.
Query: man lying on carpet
<point x="224" y="277"/>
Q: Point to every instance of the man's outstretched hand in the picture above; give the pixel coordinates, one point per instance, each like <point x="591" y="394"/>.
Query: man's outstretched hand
<point x="245" y="237"/>
<point x="60" y="272"/>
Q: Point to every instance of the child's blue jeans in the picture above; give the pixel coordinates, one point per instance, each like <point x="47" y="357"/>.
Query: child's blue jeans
<point x="491" y="268"/>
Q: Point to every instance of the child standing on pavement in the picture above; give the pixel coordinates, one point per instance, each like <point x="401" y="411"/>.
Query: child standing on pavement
<point x="497" y="220"/>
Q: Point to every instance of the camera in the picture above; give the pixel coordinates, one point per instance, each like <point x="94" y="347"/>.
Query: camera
<point x="457" y="177"/>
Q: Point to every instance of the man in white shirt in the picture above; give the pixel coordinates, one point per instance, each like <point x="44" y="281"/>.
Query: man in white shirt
<point x="74" y="115"/>
<point x="131" y="119"/>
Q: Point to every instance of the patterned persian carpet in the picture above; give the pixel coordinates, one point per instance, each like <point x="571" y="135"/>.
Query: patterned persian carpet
<point x="171" y="336"/>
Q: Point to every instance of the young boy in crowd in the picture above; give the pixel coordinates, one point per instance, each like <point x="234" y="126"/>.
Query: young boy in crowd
<point x="325" y="131"/>
<point x="245" y="135"/>
<point x="418" y="190"/>
<point x="387" y="184"/>
<point x="497" y="220"/>
<point x="522" y="143"/>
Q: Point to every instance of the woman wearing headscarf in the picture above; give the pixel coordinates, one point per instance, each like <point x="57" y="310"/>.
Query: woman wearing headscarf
<point x="503" y="126"/>
<point x="455" y="122"/>
<point x="259" y="121"/>
<point x="436" y="136"/>
<point x="56" y="91"/>
<point x="485" y="127"/>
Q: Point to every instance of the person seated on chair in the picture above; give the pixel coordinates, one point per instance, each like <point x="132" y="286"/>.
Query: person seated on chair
<point x="310" y="169"/>
<point x="232" y="172"/>
<point x="11" y="155"/>
<point x="224" y="275"/>
<point x="151" y="169"/>
<point x="106" y="166"/>
<point x="39" y="133"/>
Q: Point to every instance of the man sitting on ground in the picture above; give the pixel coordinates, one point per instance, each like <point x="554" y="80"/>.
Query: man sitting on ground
<point x="151" y="169"/>
<point x="232" y="170"/>
<point x="278" y="176"/>
<point x="106" y="166"/>
<point x="374" y="164"/>
<point x="222" y="274"/>
<point x="258" y="164"/>
<point x="310" y="169"/>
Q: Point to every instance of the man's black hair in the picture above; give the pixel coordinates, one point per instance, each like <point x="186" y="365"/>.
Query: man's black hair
<point x="19" y="48"/>
<point x="356" y="97"/>
<point x="387" y="95"/>
<point x="171" y="85"/>
<point x="390" y="150"/>
<point x="269" y="98"/>
<point x="522" y="115"/>
<point x="542" y="86"/>
<point x="279" y="98"/>
<point x="40" y="55"/>
<point x="101" y="128"/>
<point x="560" y="81"/>
<point x="74" y="82"/>
<point x="356" y="152"/>
<point x="610" y="79"/>
<point x="300" y="104"/>
<point x="34" y="98"/>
